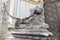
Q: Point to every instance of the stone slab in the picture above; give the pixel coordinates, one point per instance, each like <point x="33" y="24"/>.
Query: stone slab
<point x="43" y="32"/>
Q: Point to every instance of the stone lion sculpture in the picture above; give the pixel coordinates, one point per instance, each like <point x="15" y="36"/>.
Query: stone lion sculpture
<point x="36" y="19"/>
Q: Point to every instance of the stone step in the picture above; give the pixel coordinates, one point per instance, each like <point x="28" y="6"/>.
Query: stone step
<point x="33" y="38"/>
<point x="43" y="32"/>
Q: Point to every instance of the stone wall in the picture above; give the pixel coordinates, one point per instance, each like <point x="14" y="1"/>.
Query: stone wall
<point x="3" y="20"/>
<point x="52" y="17"/>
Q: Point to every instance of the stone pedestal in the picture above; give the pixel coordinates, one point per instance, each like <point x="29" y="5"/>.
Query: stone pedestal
<point x="27" y="33"/>
<point x="33" y="28"/>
